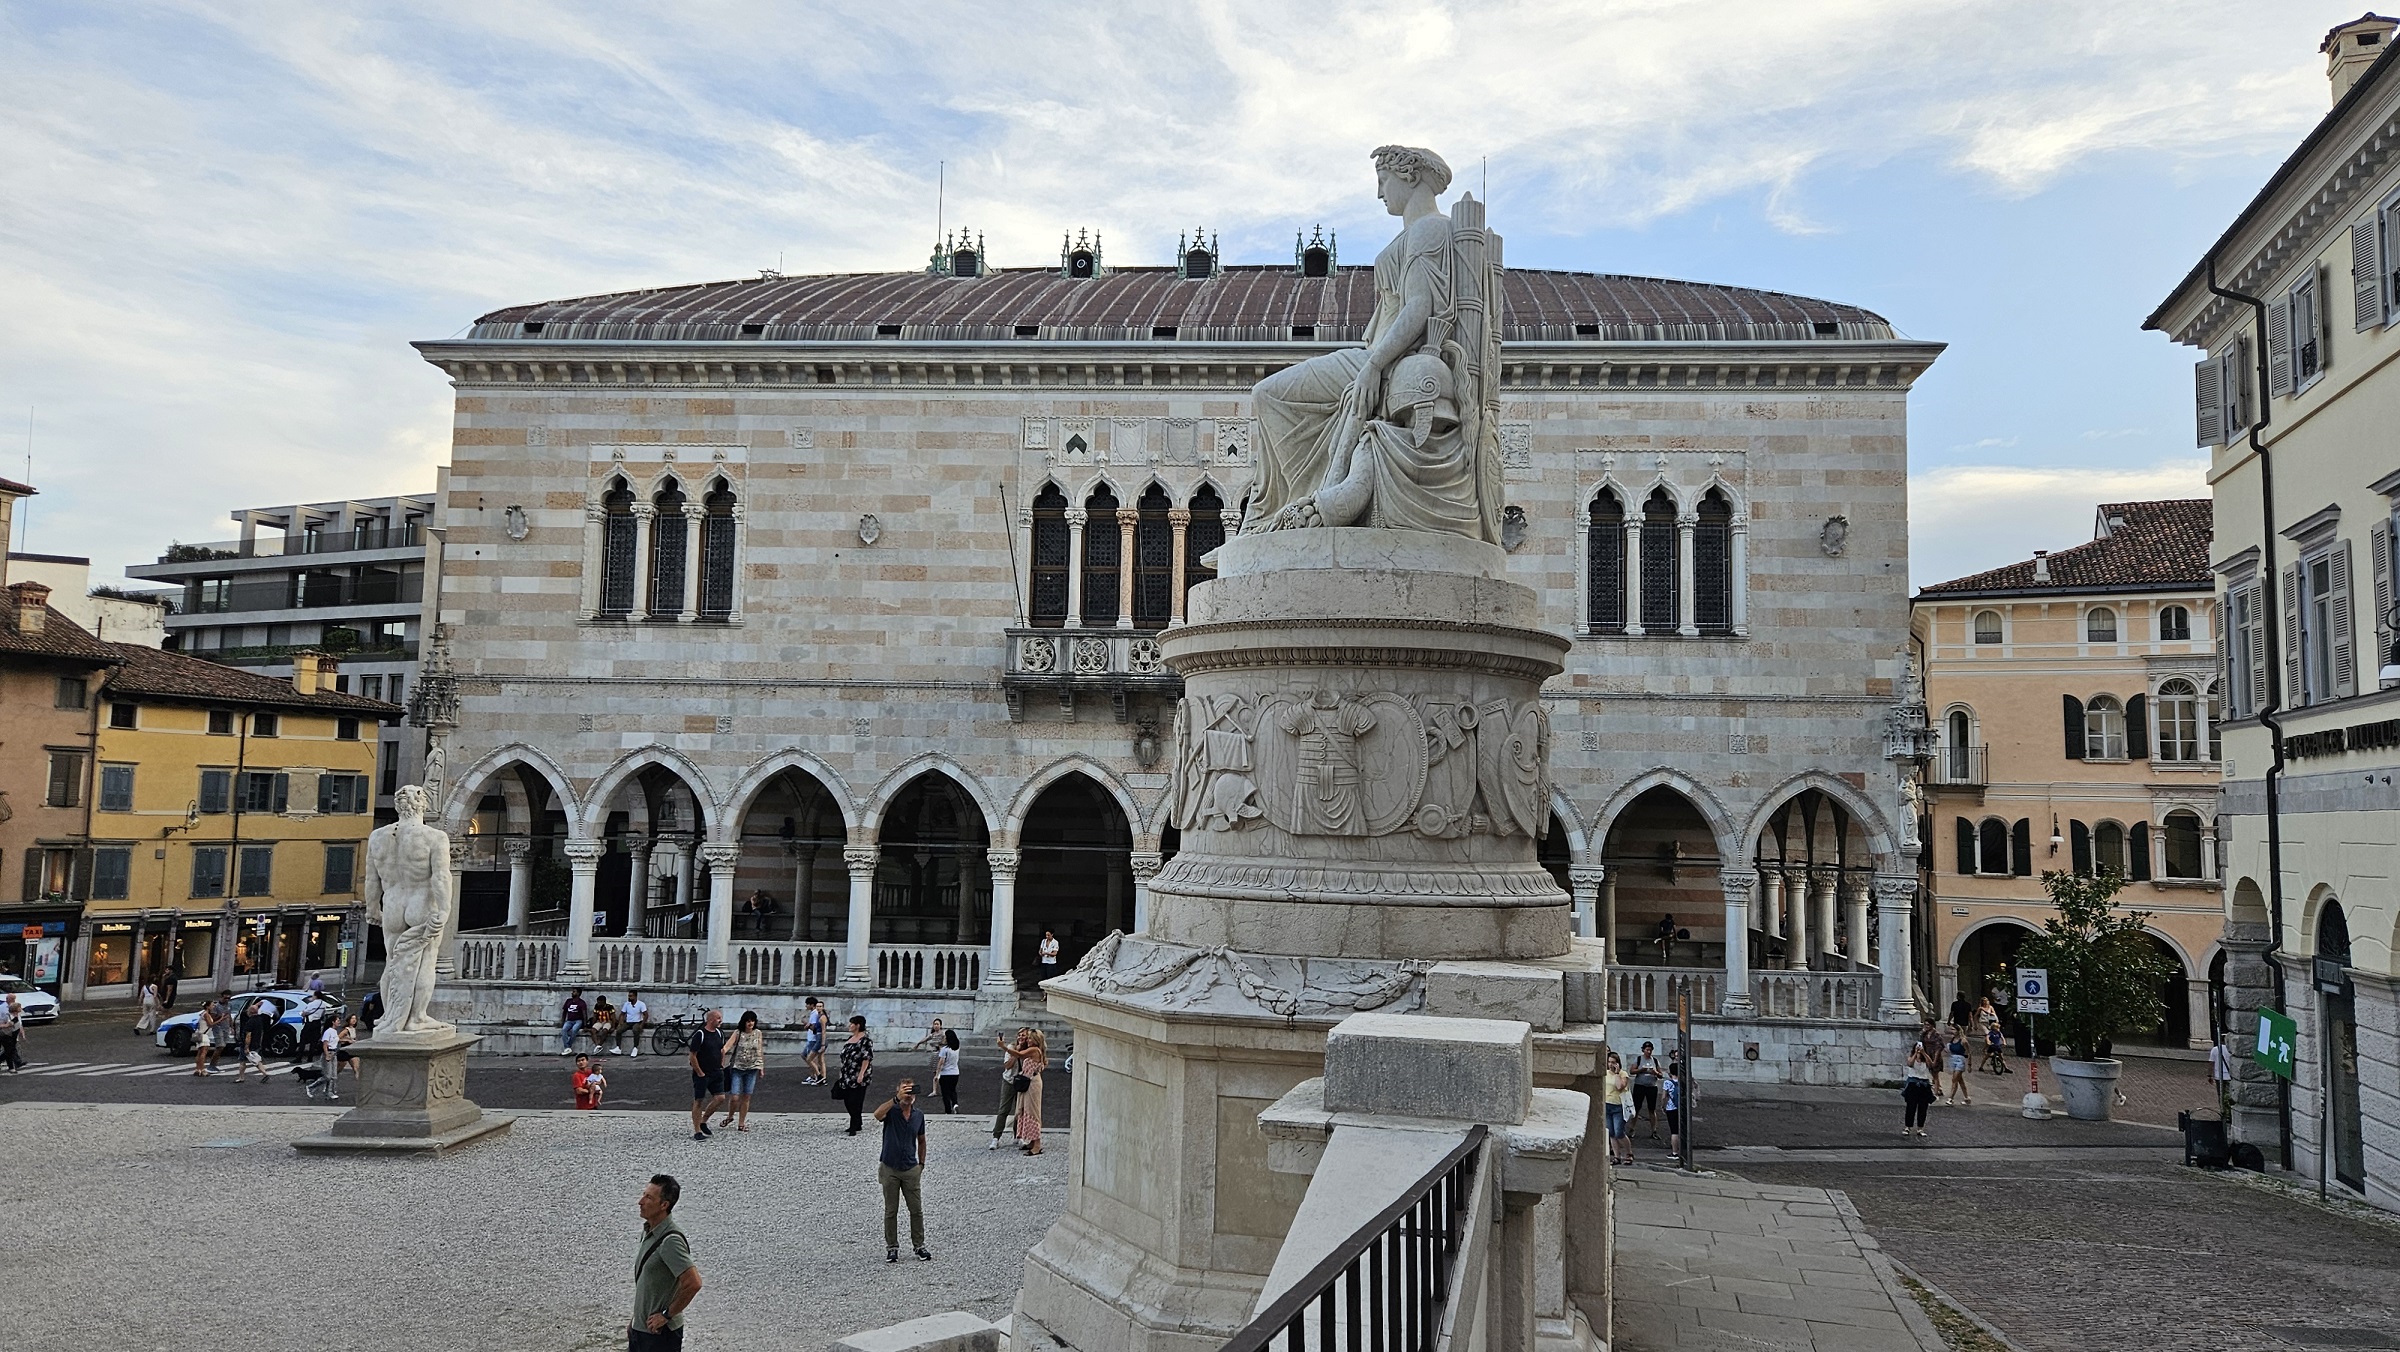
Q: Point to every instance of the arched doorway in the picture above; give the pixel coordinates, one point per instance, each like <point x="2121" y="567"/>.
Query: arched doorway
<point x="791" y="883"/>
<point x="1075" y="873"/>
<point x="1815" y="908"/>
<point x="651" y="880"/>
<point x="1556" y="855"/>
<point x="933" y="884"/>
<point x="2175" y="998"/>
<point x="1987" y="964"/>
<point x="518" y="821"/>
<point x="1663" y="903"/>
<point x="2337" y="998"/>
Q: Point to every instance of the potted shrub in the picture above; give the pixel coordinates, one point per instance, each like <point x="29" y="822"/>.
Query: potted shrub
<point x="2104" y="978"/>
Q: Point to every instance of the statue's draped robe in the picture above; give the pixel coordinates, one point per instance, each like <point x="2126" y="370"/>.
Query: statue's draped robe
<point x="1299" y="409"/>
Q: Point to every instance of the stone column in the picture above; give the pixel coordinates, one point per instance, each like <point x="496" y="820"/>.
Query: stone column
<point x="583" y="857"/>
<point x="1855" y="920"/>
<point x="1687" y="608"/>
<point x="716" y="962"/>
<point x="1734" y="1000"/>
<point x="1076" y="516"/>
<point x="682" y="860"/>
<point x="997" y="973"/>
<point x="695" y="518"/>
<point x="1179" y="519"/>
<point x="1773" y="893"/>
<point x="2196" y="992"/>
<point x="445" y="966"/>
<point x="858" y="957"/>
<point x="804" y="886"/>
<point x="1796" y="957"/>
<point x="1125" y="520"/>
<point x="741" y="560"/>
<point x="640" y="609"/>
<point x="1585" y="884"/>
<point x="1608" y="917"/>
<point x="520" y="883"/>
<point x="1633" y="577"/>
<point x="1895" y="908"/>
<point x="637" y="886"/>
<point x="1828" y="913"/>
<point x="595" y="539"/>
<point x="1740" y="599"/>
<point x="1146" y="864"/>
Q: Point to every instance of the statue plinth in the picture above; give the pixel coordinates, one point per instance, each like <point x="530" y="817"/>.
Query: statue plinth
<point x="411" y="1099"/>
<point x="1361" y="779"/>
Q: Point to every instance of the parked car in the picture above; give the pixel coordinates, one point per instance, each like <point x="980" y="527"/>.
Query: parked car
<point x="34" y="1005"/>
<point x="176" y="1034"/>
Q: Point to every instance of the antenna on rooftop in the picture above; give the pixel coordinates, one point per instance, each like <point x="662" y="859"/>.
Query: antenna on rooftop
<point x="941" y="185"/>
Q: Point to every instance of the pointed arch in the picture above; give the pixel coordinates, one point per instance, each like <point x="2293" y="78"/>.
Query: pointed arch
<point x="468" y="786"/>
<point x="632" y="763"/>
<point x="763" y="772"/>
<point x="870" y="818"/>
<point x="1869" y="818"/>
<point x="1579" y="846"/>
<point x="1720" y="822"/>
<point x="1144" y="824"/>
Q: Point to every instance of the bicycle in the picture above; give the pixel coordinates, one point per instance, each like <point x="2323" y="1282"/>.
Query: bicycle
<point x="675" y="1032"/>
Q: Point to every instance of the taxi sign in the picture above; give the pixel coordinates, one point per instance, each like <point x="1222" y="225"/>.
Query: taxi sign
<point x="2033" y="990"/>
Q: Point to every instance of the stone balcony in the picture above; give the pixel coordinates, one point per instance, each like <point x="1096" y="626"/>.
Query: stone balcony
<point x="1074" y="665"/>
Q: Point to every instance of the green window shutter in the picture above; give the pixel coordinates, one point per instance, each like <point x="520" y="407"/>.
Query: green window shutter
<point x="2079" y="848"/>
<point x="2138" y="847"/>
<point x="2020" y="848"/>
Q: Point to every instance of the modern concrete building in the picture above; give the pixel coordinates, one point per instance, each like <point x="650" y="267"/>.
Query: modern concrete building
<point x="2295" y="397"/>
<point x="2074" y="701"/>
<point x="344" y="578"/>
<point x="838" y="598"/>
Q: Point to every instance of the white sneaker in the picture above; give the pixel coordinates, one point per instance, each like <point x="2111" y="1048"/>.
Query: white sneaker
<point x="993" y="1144"/>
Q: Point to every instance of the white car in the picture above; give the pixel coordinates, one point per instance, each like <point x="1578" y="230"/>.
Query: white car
<point x="34" y="1005"/>
<point x="175" y="1034"/>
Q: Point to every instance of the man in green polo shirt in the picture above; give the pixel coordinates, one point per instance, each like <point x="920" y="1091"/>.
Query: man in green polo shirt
<point x="664" y="1280"/>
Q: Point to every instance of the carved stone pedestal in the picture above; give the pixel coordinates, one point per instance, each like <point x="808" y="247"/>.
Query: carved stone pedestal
<point x="411" y="1100"/>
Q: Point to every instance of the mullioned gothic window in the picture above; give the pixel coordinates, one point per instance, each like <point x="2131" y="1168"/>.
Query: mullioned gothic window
<point x="1659" y="564"/>
<point x="1103" y="557"/>
<point x="1604" y="547"/>
<point x="1051" y="546"/>
<point x="717" y="538"/>
<point x="617" y="551"/>
<point x="1203" y="535"/>
<point x="669" y="531"/>
<point x="1154" y="560"/>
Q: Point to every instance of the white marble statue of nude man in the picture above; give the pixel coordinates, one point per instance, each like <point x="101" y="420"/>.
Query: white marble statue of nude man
<point x="408" y="893"/>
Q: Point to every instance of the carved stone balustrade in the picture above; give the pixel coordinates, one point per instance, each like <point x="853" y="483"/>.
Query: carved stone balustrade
<point x="1074" y="664"/>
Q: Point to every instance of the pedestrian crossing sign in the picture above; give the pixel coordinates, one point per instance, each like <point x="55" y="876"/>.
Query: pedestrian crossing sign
<point x="2276" y="1035"/>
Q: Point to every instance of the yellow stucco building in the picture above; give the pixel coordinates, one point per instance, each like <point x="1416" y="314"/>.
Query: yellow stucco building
<point x="2075" y="706"/>
<point x="229" y="815"/>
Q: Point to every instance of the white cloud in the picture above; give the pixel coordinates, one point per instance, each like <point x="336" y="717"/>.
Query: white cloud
<point x="1964" y="519"/>
<point x="222" y="223"/>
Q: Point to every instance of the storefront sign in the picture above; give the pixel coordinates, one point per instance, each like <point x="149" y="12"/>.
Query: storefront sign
<point x="2381" y="736"/>
<point x="117" y="927"/>
<point x="32" y="932"/>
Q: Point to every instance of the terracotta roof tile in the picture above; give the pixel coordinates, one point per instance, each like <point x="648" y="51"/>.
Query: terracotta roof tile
<point x="61" y="638"/>
<point x="1240" y="303"/>
<point x="166" y="675"/>
<point x="2139" y="546"/>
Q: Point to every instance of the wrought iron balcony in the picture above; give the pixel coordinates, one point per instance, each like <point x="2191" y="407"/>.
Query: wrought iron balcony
<point x="1067" y="663"/>
<point x="406" y="536"/>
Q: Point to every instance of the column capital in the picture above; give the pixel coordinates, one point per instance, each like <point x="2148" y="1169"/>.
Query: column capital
<point x="861" y="858"/>
<point x="517" y="852"/>
<point x="1588" y="875"/>
<point x="1076" y="516"/>
<point x="1893" y="889"/>
<point x="460" y="852"/>
<point x="1179" y="516"/>
<point x="644" y="510"/>
<point x="720" y="856"/>
<point x="583" y="856"/>
<point x="1147" y="863"/>
<point x="1737" y="882"/>
<point x="1002" y="863"/>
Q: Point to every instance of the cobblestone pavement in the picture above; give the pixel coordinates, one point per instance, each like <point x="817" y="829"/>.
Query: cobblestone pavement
<point x="163" y="1227"/>
<point x="2068" y="1235"/>
<point x="93" y="1056"/>
<point x="1721" y="1263"/>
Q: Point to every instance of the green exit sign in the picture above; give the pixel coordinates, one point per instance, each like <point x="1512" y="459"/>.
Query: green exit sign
<point x="2275" y="1037"/>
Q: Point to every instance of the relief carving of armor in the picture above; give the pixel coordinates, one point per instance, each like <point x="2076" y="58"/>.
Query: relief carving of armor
<point x="1212" y="786"/>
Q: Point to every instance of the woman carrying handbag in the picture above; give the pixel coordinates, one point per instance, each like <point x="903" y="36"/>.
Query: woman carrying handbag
<point x="1030" y="1064"/>
<point x="857" y="1071"/>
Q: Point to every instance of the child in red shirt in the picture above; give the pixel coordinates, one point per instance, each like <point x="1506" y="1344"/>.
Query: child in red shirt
<point x="589" y="1083"/>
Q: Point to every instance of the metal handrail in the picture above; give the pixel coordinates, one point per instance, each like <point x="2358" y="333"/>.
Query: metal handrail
<point x="1381" y="1313"/>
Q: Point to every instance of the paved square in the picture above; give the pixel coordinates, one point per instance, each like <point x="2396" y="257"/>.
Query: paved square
<point x="159" y="1227"/>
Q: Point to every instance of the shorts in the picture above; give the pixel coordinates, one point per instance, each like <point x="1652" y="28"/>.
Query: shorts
<point x="707" y="1086"/>
<point x="1674" y="1121"/>
<point x="1616" y="1119"/>
<point x="1644" y="1096"/>
<point x="1958" y="1061"/>
<point x="812" y="1044"/>
<point x="741" y="1081"/>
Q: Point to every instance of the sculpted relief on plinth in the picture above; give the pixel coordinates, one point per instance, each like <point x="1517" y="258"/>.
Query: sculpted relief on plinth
<point x="1403" y="432"/>
<point x="1319" y="762"/>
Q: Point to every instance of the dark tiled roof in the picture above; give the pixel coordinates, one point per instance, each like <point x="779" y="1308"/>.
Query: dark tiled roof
<point x="12" y="486"/>
<point x="1240" y="304"/>
<point x="61" y="639"/>
<point x="2140" y="546"/>
<point x="166" y="675"/>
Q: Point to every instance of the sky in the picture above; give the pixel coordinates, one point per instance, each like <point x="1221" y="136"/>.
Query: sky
<point x="222" y="225"/>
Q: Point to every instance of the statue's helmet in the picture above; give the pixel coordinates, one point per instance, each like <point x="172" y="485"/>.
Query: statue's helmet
<point x="1418" y="378"/>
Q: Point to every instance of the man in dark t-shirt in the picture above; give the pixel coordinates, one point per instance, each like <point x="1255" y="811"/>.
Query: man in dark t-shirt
<point x="707" y="1055"/>
<point x="901" y="1169"/>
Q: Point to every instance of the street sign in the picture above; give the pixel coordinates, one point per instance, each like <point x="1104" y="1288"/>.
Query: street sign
<point x="2333" y="976"/>
<point x="2276" y="1035"/>
<point x="2033" y="990"/>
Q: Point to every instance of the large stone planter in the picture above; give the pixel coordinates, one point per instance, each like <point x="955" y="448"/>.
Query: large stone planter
<point x="2089" y="1087"/>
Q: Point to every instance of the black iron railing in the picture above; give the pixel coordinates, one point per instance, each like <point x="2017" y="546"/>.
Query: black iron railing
<point x="1386" y="1287"/>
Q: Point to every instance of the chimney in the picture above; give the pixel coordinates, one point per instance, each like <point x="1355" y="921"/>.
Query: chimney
<point x="313" y="672"/>
<point x="33" y="601"/>
<point x="2041" y="565"/>
<point x="2352" y="47"/>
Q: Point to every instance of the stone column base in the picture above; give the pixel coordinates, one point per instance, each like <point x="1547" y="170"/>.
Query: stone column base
<point x="411" y="1099"/>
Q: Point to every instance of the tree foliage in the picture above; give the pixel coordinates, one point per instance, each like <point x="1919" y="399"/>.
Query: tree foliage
<point x="2104" y="970"/>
